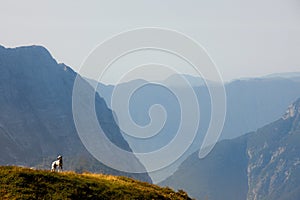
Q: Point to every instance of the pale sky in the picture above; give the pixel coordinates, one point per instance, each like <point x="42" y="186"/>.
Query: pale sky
<point x="244" y="38"/>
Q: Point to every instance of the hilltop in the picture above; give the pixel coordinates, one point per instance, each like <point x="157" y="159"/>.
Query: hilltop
<point x="25" y="183"/>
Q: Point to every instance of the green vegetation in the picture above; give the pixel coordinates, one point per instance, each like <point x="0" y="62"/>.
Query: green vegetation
<point x="24" y="183"/>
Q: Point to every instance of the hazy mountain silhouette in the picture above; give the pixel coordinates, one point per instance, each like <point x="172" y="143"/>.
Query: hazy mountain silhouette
<point x="251" y="103"/>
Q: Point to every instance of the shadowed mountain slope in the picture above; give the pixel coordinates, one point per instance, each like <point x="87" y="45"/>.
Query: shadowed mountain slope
<point x="36" y="121"/>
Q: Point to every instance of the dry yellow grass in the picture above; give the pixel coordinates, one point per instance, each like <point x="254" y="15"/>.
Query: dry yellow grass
<point x="23" y="183"/>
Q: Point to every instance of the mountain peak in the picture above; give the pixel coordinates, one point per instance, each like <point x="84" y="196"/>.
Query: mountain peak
<point x="32" y="52"/>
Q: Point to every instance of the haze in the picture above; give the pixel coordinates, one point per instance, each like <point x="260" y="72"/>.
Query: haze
<point x="244" y="38"/>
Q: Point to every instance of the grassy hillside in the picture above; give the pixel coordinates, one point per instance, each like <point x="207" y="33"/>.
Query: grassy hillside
<point x="24" y="183"/>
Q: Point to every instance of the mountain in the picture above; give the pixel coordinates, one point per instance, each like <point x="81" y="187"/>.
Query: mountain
<point x="36" y="120"/>
<point x="24" y="183"/>
<point x="284" y="75"/>
<point x="251" y="103"/>
<point x="260" y="165"/>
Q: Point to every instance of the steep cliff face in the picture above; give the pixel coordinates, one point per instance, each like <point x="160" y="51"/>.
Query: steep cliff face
<point x="260" y="165"/>
<point x="36" y="121"/>
<point x="274" y="160"/>
<point x="35" y="112"/>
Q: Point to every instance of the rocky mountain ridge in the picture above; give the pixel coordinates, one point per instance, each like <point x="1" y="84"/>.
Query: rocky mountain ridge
<point x="260" y="165"/>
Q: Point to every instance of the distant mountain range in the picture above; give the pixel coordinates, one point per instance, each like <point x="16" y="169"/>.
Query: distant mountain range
<point x="283" y="75"/>
<point x="260" y="165"/>
<point x="36" y="121"/>
<point x="251" y="103"/>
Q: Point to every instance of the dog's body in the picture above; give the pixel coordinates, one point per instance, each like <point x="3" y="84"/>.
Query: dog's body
<point x="57" y="164"/>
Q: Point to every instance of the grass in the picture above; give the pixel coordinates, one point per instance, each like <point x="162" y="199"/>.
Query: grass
<point x="24" y="183"/>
